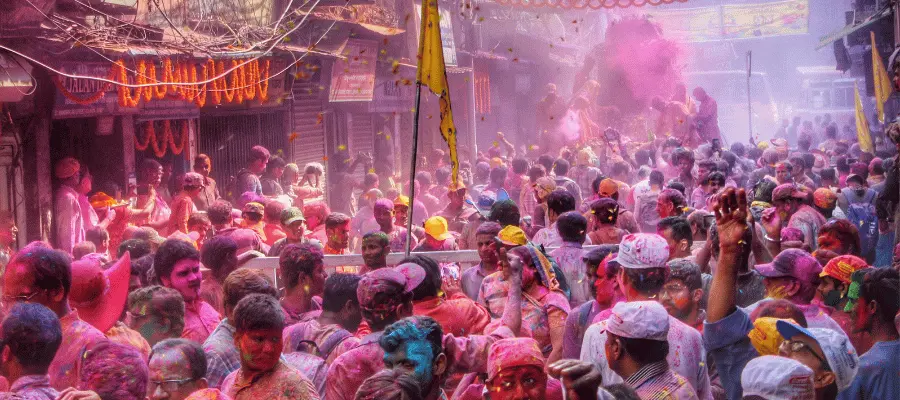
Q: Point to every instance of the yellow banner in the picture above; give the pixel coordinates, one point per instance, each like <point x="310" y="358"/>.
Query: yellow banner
<point x="432" y="72"/>
<point x="881" y="80"/>
<point x="862" y="124"/>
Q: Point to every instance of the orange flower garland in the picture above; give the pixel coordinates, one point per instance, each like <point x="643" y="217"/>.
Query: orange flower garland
<point x="168" y="138"/>
<point x="245" y="82"/>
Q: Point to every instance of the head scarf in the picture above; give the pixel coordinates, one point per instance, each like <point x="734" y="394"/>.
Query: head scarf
<point x="546" y="268"/>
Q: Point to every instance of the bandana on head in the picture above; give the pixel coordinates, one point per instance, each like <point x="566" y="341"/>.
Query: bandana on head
<point x="544" y="266"/>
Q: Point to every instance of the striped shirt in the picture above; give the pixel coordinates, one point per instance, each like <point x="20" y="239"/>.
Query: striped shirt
<point x="657" y="382"/>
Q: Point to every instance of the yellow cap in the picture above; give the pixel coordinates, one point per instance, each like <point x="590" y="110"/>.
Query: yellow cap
<point x="765" y="337"/>
<point x="512" y="235"/>
<point x="401" y="200"/>
<point x="436" y="227"/>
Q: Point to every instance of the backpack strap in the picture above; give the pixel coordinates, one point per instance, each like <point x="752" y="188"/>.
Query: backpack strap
<point x="332" y="341"/>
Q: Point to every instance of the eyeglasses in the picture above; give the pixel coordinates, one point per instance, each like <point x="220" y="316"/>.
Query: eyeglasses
<point x="22" y="298"/>
<point x="793" y="346"/>
<point x="169" y="385"/>
<point x="672" y="289"/>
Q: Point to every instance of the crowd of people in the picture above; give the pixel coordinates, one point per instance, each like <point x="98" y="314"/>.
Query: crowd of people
<point x="612" y="270"/>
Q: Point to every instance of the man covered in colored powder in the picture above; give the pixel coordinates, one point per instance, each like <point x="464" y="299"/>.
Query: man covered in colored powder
<point x="333" y="330"/>
<point x="375" y="248"/>
<point x="41" y="275"/>
<point x="32" y="334"/>
<point x="258" y="323"/>
<point x="302" y="272"/>
<point x="384" y="216"/>
<point x="515" y="366"/>
<point x="385" y="296"/>
<point x="177" y="266"/>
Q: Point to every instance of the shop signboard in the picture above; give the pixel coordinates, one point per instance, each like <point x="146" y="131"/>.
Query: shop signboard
<point x="781" y="18"/>
<point x="446" y="33"/>
<point x="393" y="93"/>
<point x="353" y="78"/>
<point x="71" y="91"/>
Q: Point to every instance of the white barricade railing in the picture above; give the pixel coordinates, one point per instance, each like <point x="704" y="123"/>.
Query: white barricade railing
<point x="465" y="258"/>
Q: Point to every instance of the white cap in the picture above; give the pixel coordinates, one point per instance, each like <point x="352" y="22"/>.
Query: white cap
<point x="639" y="320"/>
<point x="839" y="352"/>
<point x="643" y="251"/>
<point x="778" y="378"/>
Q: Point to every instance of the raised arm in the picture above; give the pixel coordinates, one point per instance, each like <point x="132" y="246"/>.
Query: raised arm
<point x="731" y="223"/>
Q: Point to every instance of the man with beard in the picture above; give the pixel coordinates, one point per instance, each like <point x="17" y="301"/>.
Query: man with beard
<point x="177" y="266"/>
<point x="874" y="312"/>
<point x="682" y="293"/>
<point x="258" y="323"/>
<point x="375" y="248"/>
<point x="416" y="343"/>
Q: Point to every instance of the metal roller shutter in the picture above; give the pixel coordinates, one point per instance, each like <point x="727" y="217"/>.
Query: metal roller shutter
<point x="362" y="136"/>
<point x="308" y="145"/>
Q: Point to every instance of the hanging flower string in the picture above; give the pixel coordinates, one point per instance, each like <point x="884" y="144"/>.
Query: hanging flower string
<point x="168" y="138"/>
<point x="246" y="82"/>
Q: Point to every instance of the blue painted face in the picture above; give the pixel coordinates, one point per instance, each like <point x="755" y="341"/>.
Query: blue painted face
<point x="414" y="358"/>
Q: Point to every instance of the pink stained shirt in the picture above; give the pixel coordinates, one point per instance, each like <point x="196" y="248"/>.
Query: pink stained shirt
<point x="351" y="369"/>
<point x="69" y="219"/>
<point x="282" y="382"/>
<point x="200" y="319"/>
<point x="458" y="315"/>
<point x="77" y="337"/>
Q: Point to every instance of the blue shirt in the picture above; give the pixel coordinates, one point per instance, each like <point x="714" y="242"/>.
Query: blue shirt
<point x="879" y="374"/>
<point x="727" y="341"/>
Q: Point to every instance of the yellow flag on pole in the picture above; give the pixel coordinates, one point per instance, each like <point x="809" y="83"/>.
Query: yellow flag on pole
<point x="881" y="80"/>
<point x="862" y="125"/>
<point x="432" y="72"/>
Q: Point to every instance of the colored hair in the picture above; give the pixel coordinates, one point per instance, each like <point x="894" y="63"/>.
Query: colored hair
<point x="114" y="371"/>
<point x="244" y="282"/>
<point x="506" y="212"/>
<point x="300" y="260"/>
<point x="257" y="312"/>
<point x="411" y="329"/>
<point x="162" y="303"/>
<point x="33" y="334"/>
<point x="191" y="351"/>
<point x="51" y="268"/>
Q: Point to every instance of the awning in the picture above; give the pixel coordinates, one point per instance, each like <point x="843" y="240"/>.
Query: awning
<point x="840" y="34"/>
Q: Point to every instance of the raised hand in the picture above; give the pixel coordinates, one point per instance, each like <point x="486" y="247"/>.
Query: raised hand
<point x="731" y="218"/>
<point x="579" y="378"/>
<point x="771" y="222"/>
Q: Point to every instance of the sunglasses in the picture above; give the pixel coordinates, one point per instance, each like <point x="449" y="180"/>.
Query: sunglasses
<point x="793" y="346"/>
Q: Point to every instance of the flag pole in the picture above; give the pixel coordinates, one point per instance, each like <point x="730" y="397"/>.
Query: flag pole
<point x="412" y="169"/>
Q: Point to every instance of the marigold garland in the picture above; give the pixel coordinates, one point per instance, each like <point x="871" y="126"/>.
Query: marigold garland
<point x="246" y="82"/>
<point x="168" y="138"/>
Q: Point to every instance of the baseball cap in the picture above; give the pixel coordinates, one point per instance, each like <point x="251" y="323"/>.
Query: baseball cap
<point x="643" y="251"/>
<point x="436" y="227"/>
<point x="402" y="201"/>
<point x="149" y="234"/>
<point x="394" y="282"/>
<point x="840" y="354"/>
<point x="842" y="267"/>
<point x="786" y="191"/>
<point x="513" y="352"/>
<point x="291" y="215"/>
<point x="639" y="320"/>
<point x="778" y="378"/>
<point x="254" y="208"/>
<point x="544" y="185"/>
<point x="192" y="179"/>
<point x="794" y="263"/>
<point x="608" y="187"/>
<point x="512" y="235"/>
<point x="765" y="337"/>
